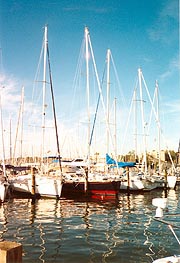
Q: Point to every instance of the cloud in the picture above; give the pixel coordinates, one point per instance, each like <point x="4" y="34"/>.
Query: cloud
<point x="173" y="67"/>
<point x="173" y="107"/>
<point x="166" y="23"/>
<point x="100" y="10"/>
<point x="10" y="92"/>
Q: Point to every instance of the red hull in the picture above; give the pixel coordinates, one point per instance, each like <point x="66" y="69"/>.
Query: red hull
<point x="95" y="189"/>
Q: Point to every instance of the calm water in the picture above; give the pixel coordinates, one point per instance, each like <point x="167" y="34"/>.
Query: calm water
<point x="119" y="230"/>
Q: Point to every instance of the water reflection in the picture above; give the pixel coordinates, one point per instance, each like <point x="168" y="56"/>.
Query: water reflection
<point x="3" y="222"/>
<point x="44" y="220"/>
<point x="120" y="230"/>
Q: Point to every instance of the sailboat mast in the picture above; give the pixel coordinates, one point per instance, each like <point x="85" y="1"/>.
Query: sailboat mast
<point x="108" y="95"/>
<point x="54" y="114"/>
<point x="142" y="118"/>
<point x="135" y="120"/>
<point x="158" y="121"/>
<point x="87" y="85"/>
<point x="88" y="100"/>
<point x="22" y="111"/>
<point x="44" y="92"/>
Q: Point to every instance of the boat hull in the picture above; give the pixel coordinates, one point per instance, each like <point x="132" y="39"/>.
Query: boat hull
<point x="48" y="187"/>
<point x="132" y="185"/>
<point x="95" y="189"/>
<point x="44" y="186"/>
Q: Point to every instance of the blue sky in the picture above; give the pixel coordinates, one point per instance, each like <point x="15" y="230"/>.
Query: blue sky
<point x="139" y="34"/>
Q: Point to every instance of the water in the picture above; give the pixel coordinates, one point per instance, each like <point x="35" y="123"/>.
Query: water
<point x="93" y="231"/>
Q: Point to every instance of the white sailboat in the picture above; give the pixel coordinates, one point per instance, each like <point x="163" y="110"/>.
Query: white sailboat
<point x="40" y="183"/>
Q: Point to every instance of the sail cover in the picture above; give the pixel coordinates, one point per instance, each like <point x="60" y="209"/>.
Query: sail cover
<point x="110" y="160"/>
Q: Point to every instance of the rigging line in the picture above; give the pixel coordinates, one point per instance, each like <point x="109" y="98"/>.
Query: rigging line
<point x="151" y="113"/>
<point x="38" y="70"/>
<point x="54" y="111"/>
<point x="118" y="81"/>
<point x="20" y="115"/>
<point x="95" y="116"/>
<point x="77" y="73"/>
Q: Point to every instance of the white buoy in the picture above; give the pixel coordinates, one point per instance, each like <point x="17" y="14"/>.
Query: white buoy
<point x="160" y="203"/>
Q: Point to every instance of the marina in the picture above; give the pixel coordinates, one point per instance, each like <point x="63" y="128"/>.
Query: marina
<point x="89" y="132"/>
<point x="90" y="230"/>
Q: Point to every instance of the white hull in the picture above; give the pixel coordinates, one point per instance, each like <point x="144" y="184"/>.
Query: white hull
<point x="48" y="187"/>
<point x="171" y="180"/>
<point x="44" y="186"/>
<point x="133" y="185"/>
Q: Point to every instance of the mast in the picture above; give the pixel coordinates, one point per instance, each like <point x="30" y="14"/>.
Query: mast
<point x="108" y="96"/>
<point x="142" y="119"/>
<point x="88" y="101"/>
<point x="44" y="92"/>
<point x="22" y="111"/>
<point x="135" y="121"/>
<point x="158" y="121"/>
<point x="54" y="114"/>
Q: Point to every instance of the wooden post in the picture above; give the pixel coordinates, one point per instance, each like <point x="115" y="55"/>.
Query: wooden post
<point x="128" y="179"/>
<point x="33" y="191"/>
<point x="10" y="252"/>
<point x="86" y="181"/>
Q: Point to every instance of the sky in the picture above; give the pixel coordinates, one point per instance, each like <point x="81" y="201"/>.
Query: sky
<point x="140" y="34"/>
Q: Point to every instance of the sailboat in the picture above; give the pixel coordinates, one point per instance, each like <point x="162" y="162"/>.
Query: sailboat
<point x="91" y="183"/>
<point x="37" y="182"/>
